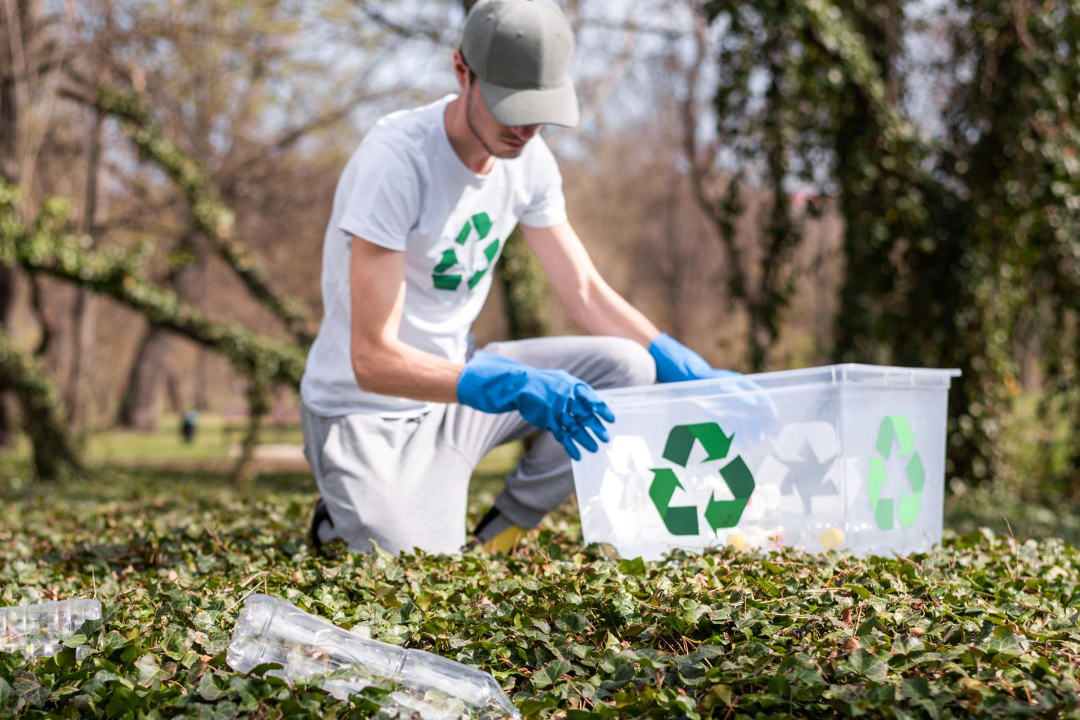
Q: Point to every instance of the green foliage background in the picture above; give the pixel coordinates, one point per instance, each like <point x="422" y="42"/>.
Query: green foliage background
<point x="948" y="235"/>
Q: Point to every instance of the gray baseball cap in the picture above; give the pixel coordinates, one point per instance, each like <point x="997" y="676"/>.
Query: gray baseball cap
<point x="520" y="51"/>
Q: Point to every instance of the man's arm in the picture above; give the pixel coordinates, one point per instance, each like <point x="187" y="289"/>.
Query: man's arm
<point x="593" y="305"/>
<point x="549" y="399"/>
<point x="381" y="362"/>
<point x="591" y="302"/>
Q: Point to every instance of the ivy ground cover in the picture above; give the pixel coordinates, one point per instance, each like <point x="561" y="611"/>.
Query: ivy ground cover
<point x="985" y="626"/>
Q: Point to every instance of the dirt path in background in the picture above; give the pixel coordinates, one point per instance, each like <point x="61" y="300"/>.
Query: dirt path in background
<point x="268" y="458"/>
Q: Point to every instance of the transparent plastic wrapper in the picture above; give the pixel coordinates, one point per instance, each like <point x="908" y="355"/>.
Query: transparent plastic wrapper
<point x="838" y="457"/>
<point x="273" y="631"/>
<point x="41" y="630"/>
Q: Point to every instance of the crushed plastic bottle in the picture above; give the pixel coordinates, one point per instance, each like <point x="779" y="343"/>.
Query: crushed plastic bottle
<point x="41" y="630"/>
<point x="273" y="631"/>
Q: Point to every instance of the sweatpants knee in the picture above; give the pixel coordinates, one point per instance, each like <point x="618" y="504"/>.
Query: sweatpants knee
<point x="629" y="364"/>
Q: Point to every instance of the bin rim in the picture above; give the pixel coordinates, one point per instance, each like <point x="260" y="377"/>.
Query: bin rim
<point x="844" y="374"/>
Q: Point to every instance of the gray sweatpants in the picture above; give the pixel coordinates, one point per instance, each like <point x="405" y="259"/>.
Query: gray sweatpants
<point x="403" y="482"/>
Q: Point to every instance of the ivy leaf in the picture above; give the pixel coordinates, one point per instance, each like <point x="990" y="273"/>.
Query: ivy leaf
<point x="75" y="640"/>
<point x="1007" y="643"/>
<point x="532" y="707"/>
<point x="208" y="688"/>
<point x="868" y="665"/>
<point x="29" y="689"/>
<point x="718" y="696"/>
<point x="7" y="694"/>
<point x="549" y="675"/>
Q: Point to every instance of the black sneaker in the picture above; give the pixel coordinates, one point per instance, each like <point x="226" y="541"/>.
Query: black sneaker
<point x="496" y="534"/>
<point x="318" y="517"/>
<point x="493" y="523"/>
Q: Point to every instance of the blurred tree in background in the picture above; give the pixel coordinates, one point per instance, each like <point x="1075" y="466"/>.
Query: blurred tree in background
<point x="954" y="226"/>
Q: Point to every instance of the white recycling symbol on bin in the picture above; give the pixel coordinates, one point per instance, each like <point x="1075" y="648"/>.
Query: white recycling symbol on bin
<point x="806" y="463"/>
<point x="624" y="501"/>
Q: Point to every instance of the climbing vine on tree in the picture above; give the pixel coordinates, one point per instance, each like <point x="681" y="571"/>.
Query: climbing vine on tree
<point x="48" y="246"/>
<point x="949" y="235"/>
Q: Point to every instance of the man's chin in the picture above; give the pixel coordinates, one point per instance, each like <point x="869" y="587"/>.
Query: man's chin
<point x="509" y="153"/>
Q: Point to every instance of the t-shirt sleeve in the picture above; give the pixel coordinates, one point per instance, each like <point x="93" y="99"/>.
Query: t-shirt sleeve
<point x="546" y="206"/>
<point x="383" y="203"/>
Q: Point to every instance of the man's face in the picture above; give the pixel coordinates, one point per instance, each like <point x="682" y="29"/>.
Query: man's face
<point x="502" y="141"/>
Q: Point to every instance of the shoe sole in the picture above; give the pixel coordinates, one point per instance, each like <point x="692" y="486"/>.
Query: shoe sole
<point x="318" y="517"/>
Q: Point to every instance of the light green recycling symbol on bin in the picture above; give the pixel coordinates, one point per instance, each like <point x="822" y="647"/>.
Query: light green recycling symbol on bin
<point x="896" y="428"/>
<point x="683" y="519"/>
<point x="474" y="230"/>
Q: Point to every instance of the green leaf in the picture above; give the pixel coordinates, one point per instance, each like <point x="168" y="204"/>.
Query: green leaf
<point x="27" y="687"/>
<point x="208" y="688"/>
<point x="532" y="707"/>
<point x="549" y="675"/>
<point x="75" y="640"/>
<point x="859" y="590"/>
<point x="1007" y="643"/>
<point x="868" y="665"/>
<point x="7" y="694"/>
<point x="718" y="696"/>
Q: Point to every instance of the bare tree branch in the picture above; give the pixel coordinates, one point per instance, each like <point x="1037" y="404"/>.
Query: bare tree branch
<point x="436" y="35"/>
<point x="631" y="26"/>
<point x="291" y="136"/>
<point x="601" y="90"/>
<point x="48" y="248"/>
<point x="212" y="218"/>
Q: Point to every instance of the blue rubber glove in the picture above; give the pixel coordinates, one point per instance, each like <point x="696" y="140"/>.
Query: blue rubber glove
<point x="552" y="400"/>
<point x="676" y="363"/>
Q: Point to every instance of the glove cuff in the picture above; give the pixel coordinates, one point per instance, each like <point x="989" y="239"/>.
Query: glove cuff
<point x="666" y="351"/>
<point x="488" y="382"/>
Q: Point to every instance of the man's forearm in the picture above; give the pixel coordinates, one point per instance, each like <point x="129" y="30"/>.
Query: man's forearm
<point x="400" y="370"/>
<point x="602" y="311"/>
<point x="591" y="302"/>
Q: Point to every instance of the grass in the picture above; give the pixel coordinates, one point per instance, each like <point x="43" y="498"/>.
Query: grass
<point x="213" y="440"/>
<point x="985" y="626"/>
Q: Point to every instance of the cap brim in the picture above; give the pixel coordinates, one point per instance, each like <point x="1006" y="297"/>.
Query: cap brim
<point x="552" y="106"/>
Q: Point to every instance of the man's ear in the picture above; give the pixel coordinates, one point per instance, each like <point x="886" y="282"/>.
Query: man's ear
<point x="461" y="70"/>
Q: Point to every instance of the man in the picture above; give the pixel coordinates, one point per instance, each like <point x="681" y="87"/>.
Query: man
<point x="397" y="410"/>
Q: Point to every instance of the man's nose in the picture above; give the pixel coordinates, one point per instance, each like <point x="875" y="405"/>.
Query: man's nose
<point x="525" y="132"/>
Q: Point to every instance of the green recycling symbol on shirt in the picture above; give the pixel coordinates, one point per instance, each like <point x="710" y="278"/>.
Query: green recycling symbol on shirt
<point x="474" y="230"/>
<point x="683" y="520"/>
<point x="896" y="429"/>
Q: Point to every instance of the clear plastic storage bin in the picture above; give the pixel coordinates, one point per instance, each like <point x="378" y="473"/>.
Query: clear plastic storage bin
<point x="838" y="457"/>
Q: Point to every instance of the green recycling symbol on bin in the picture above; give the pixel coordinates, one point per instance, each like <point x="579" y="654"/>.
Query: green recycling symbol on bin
<point x="896" y="428"/>
<point x="683" y="519"/>
<point x="473" y="231"/>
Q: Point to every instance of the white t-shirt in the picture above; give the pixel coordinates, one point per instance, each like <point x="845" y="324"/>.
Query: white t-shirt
<point x="406" y="189"/>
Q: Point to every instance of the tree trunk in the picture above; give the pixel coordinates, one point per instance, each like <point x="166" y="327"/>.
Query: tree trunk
<point x="525" y="289"/>
<point x="9" y="172"/>
<point x="7" y="301"/>
<point x="258" y="408"/>
<point x="200" y="393"/>
<point x="144" y="397"/>
<point x="84" y="313"/>
<point x="55" y="455"/>
<point x="9" y="122"/>
<point x="84" y="320"/>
